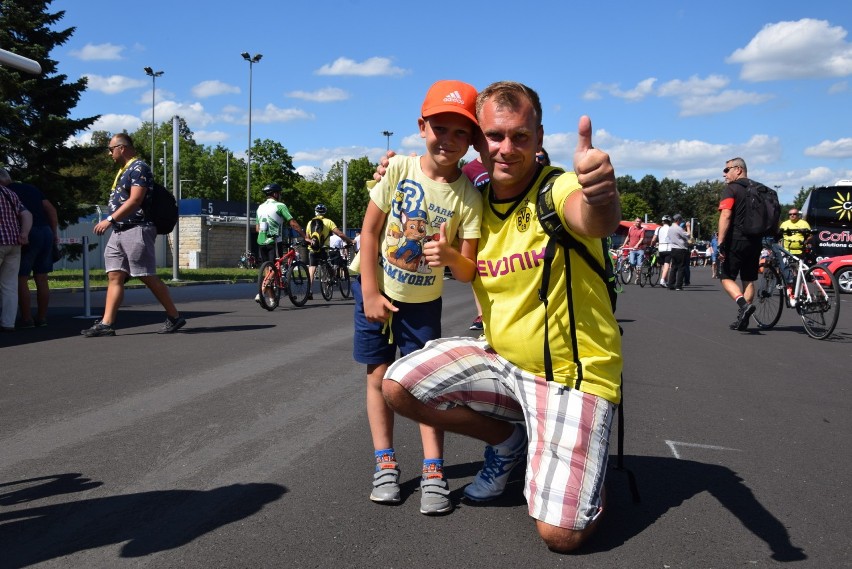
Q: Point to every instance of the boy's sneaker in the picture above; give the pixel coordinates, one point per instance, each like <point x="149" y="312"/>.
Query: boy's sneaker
<point x="490" y="482"/>
<point x="434" y="496"/>
<point x="172" y="325"/>
<point x="98" y="329"/>
<point x="477" y="323"/>
<point x="386" y="483"/>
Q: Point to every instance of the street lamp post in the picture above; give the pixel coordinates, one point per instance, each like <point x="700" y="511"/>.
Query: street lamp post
<point x="153" y="75"/>
<point x="165" y="162"/>
<point x="388" y="134"/>
<point x="251" y="60"/>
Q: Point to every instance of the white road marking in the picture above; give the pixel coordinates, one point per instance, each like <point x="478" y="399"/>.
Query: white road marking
<point x="674" y="444"/>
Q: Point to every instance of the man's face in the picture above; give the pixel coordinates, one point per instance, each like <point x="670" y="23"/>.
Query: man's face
<point x="115" y="149"/>
<point x="731" y="173"/>
<point x="637" y="222"/>
<point x="511" y="139"/>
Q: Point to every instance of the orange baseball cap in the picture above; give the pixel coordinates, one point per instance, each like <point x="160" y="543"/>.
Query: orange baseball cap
<point x="450" y="97"/>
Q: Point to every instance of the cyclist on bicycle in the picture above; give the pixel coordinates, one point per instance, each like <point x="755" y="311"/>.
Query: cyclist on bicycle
<point x="794" y="233"/>
<point x="635" y="242"/>
<point x="320" y="229"/>
<point x="271" y="216"/>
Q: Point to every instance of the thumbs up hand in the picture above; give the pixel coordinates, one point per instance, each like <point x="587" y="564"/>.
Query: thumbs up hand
<point x="438" y="251"/>
<point x="593" y="168"/>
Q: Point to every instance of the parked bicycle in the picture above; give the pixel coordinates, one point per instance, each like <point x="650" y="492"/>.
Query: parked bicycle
<point x="247" y="261"/>
<point x="333" y="272"/>
<point x="649" y="271"/>
<point x="288" y="274"/>
<point x="814" y="295"/>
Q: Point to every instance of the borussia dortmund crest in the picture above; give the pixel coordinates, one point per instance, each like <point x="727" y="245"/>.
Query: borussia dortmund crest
<point x="523" y="217"/>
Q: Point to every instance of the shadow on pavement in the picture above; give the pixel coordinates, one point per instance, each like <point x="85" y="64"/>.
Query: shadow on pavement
<point x="148" y="521"/>
<point x="665" y="483"/>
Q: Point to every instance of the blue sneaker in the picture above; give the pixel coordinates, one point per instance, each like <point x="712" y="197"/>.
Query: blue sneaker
<point x="490" y="482"/>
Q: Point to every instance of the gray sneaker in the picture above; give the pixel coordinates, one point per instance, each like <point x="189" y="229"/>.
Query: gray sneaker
<point x="98" y="329"/>
<point x="172" y="326"/>
<point x="434" y="496"/>
<point x="386" y="484"/>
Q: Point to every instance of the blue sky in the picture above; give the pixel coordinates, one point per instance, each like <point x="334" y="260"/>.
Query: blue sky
<point x="673" y="88"/>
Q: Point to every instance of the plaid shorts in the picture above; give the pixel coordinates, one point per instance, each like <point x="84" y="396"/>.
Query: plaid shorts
<point x="568" y="430"/>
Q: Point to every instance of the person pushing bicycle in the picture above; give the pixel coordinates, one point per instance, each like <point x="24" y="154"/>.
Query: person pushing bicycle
<point x="320" y="230"/>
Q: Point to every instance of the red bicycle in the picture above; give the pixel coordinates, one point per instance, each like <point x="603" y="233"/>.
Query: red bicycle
<point x="289" y="274"/>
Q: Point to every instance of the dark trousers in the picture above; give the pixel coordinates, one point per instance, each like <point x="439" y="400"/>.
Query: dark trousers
<point x="680" y="257"/>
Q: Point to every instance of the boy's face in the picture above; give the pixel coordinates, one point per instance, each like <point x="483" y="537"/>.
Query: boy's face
<point x="448" y="137"/>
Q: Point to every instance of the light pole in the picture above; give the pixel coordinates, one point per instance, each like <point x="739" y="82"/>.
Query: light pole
<point x="165" y="162"/>
<point x="388" y="134"/>
<point x="251" y="60"/>
<point x="153" y="74"/>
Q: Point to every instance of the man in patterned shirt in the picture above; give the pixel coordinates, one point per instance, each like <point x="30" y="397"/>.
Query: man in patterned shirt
<point x="130" y="249"/>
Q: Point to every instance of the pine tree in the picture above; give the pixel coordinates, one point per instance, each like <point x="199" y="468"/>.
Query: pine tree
<point x="35" y="121"/>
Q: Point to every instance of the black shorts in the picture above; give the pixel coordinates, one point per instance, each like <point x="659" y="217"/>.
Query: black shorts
<point x="664" y="257"/>
<point x="742" y="259"/>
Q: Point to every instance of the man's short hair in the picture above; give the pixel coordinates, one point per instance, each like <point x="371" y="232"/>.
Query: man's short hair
<point x="739" y="162"/>
<point x="123" y="138"/>
<point x="509" y="94"/>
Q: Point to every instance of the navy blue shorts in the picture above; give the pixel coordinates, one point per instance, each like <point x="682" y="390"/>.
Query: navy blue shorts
<point x="409" y="330"/>
<point x="37" y="257"/>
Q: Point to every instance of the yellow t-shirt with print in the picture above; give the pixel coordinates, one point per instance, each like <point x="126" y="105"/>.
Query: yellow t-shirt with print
<point x="509" y="273"/>
<point x="416" y="206"/>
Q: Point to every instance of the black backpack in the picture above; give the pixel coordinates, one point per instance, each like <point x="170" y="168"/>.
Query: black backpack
<point x="762" y="210"/>
<point x="559" y="235"/>
<point x="316" y="234"/>
<point x="160" y="207"/>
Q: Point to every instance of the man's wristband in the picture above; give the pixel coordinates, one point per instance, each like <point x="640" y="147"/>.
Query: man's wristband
<point x="110" y="219"/>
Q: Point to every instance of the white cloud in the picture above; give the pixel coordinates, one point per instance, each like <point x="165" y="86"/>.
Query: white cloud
<point x="841" y="148"/>
<point x="326" y="95"/>
<point x="162" y="95"/>
<point x="838" y="88"/>
<point x="98" y="52"/>
<point x="371" y="67"/>
<point x="720" y="102"/>
<point x="637" y="93"/>
<point x="193" y="113"/>
<point x="803" y="49"/>
<point x="310" y="173"/>
<point x="694" y="86"/>
<point x="271" y="114"/>
<point x="210" y="136"/>
<point x="110" y="123"/>
<point x="112" y="84"/>
<point x="213" y="88"/>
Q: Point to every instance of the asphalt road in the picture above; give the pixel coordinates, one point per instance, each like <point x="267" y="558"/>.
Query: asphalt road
<point x="242" y="441"/>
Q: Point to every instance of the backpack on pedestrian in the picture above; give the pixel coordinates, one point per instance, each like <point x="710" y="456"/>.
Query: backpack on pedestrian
<point x="160" y="207"/>
<point x="559" y="235"/>
<point x="762" y="210"/>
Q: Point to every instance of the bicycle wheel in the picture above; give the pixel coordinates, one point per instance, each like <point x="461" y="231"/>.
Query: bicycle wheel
<point x="626" y="273"/>
<point x="269" y="286"/>
<point x="298" y="283"/>
<point x="343" y="282"/>
<point x="324" y="276"/>
<point x="820" y="307"/>
<point x="642" y="276"/>
<point x="654" y="275"/>
<point x="768" y="297"/>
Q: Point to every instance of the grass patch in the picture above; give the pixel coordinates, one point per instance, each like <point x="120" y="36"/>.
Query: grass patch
<point x="73" y="278"/>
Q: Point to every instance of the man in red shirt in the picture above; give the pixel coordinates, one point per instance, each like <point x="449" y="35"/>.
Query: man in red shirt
<point x="635" y="242"/>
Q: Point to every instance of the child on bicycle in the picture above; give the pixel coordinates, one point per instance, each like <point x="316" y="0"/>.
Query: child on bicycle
<point x="416" y="213"/>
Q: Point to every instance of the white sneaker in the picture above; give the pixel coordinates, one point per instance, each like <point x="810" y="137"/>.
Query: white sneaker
<point x="257" y="298"/>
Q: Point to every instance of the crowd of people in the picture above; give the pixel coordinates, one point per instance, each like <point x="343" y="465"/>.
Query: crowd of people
<point x="527" y="406"/>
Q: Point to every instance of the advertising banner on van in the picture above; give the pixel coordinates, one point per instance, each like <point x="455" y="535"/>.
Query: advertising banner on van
<point x="829" y="213"/>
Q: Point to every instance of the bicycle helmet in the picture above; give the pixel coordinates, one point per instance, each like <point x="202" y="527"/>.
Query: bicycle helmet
<point x="320" y="209"/>
<point x="272" y="189"/>
<point x="667" y="218"/>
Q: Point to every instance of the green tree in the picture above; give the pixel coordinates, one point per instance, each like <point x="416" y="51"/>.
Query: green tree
<point x="34" y="111"/>
<point x="633" y="206"/>
<point x="800" y="198"/>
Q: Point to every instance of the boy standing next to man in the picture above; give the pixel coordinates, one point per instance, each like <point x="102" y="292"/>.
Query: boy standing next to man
<point x="415" y="214"/>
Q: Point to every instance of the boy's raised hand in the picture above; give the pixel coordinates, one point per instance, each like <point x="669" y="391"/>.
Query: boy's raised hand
<point x="593" y="167"/>
<point x="437" y="248"/>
